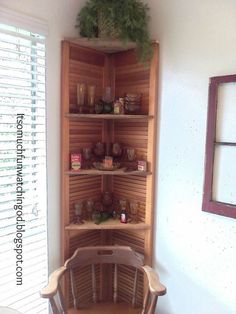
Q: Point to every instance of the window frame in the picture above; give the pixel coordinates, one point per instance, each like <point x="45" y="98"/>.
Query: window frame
<point x="208" y="204"/>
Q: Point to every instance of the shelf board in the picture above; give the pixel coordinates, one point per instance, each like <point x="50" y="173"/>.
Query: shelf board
<point x="110" y="224"/>
<point x="108" y="116"/>
<point x="118" y="172"/>
<point x="103" y="45"/>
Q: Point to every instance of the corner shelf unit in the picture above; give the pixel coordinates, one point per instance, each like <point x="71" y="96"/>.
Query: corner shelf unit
<point x="107" y="64"/>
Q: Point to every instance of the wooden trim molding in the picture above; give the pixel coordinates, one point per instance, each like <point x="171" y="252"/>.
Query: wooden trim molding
<point x="208" y="204"/>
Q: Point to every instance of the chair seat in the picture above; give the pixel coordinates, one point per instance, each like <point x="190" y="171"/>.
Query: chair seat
<point x="107" y="308"/>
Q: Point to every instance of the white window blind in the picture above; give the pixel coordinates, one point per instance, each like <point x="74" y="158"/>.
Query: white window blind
<point x="23" y="201"/>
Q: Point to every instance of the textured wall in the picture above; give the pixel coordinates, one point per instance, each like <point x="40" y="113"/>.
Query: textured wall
<point x="195" y="251"/>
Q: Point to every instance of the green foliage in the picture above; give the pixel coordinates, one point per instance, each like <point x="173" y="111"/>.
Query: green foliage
<point x="129" y="17"/>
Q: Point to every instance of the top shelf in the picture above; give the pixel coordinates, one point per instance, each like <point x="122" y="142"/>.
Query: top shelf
<point x="108" y="116"/>
<point x="103" y="45"/>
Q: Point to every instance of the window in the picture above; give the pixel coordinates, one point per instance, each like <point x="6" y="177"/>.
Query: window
<point x="23" y="200"/>
<point x="220" y="170"/>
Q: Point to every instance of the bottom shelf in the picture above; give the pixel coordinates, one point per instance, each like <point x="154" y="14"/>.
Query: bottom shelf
<point x="106" y="225"/>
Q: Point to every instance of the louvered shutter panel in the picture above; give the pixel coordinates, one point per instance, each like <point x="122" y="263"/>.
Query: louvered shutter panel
<point x="22" y="176"/>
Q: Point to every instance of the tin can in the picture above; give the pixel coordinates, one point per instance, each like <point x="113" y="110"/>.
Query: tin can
<point x="108" y="162"/>
<point x="142" y="165"/>
<point x="76" y="160"/>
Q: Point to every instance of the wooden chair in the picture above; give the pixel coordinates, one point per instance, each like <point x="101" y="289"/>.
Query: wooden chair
<point x="116" y="255"/>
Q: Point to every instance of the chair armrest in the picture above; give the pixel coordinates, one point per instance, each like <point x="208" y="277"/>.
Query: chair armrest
<point x="51" y="289"/>
<point x="155" y="286"/>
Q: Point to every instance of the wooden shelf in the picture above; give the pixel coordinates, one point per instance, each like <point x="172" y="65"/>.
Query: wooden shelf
<point x="103" y="45"/>
<point x="94" y="63"/>
<point x="108" y="116"/>
<point x="118" y="172"/>
<point x="110" y="224"/>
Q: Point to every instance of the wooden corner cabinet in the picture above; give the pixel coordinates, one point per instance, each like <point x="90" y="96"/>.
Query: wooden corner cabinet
<point x="115" y="65"/>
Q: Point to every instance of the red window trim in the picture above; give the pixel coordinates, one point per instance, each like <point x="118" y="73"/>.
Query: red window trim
<point x="208" y="204"/>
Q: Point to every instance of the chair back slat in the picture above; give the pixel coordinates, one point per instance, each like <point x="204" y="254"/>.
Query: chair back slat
<point x="135" y="288"/>
<point x="54" y="307"/>
<point x="94" y="288"/>
<point x="153" y="304"/>
<point x="105" y="255"/>
<point x="115" y="284"/>
<point x="73" y="289"/>
<point x="61" y="300"/>
<point x="146" y="301"/>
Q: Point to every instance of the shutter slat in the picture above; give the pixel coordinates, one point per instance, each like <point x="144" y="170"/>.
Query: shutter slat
<point x="28" y="87"/>
<point x="6" y="77"/>
<point x="18" y="50"/>
<point x="23" y="36"/>
<point x="13" y="42"/>
<point x="37" y="107"/>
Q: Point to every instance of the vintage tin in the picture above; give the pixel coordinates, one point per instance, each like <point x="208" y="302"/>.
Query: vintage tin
<point x="108" y="162"/>
<point x="76" y="160"/>
<point x="142" y="165"/>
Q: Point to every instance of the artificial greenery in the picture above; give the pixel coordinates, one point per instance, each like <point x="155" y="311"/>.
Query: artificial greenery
<point x="129" y="17"/>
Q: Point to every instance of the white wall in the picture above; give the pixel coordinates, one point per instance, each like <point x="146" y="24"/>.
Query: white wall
<point x="60" y="16"/>
<point x="195" y="251"/>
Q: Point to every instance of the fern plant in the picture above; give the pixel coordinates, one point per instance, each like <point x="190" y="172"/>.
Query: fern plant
<point x="127" y="19"/>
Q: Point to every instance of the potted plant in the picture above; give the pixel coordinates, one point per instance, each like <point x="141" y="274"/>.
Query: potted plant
<point x="126" y="20"/>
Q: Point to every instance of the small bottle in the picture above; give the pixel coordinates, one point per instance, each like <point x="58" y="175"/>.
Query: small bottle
<point x="123" y="216"/>
<point x="119" y="106"/>
<point x="116" y="107"/>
